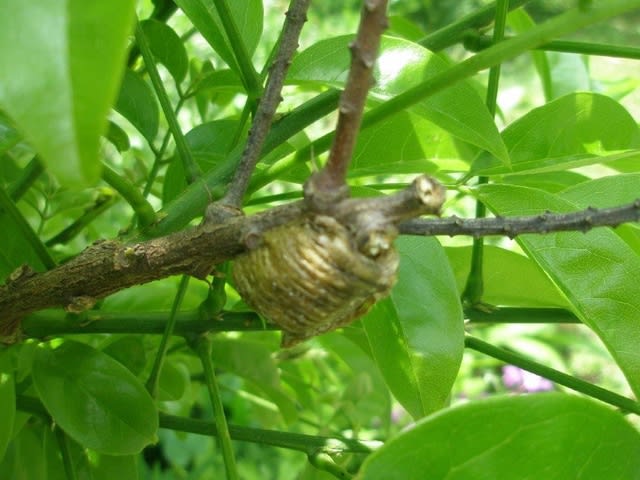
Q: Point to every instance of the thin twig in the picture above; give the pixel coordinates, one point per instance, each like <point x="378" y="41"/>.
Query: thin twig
<point x="290" y="440"/>
<point x="476" y="42"/>
<point x="296" y="16"/>
<point x="154" y="376"/>
<point x="583" y="221"/>
<point x="133" y="196"/>
<point x="329" y="185"/>
<point x="474" y="287"/>
<point x="554" y="375"/>
<point x="191" y="169"/>
<point x="455" y="32"/>
<point x="203" y="348"/>
<point x="250" y="77"/>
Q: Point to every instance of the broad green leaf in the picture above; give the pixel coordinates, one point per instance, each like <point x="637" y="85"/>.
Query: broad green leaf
<point x="173" y="381"/>
<point x="248" y="16"/>
<point x="605" y="192"/>
<point x="253" y="361"/>
<point x="416" y="335"/>
<point x="137" y="103"/>
<point x="95" y="399"/>
<point x="15" y="250"/>
<point x="423" y="147"/>
<point x="9" y="136"/>
<point x="401" y="65"/>
<point x="217" y="81"/>
<point x="167" y="48"/>
<point x="118" y="137"/>
<point x="577" y="129"/>
<point x="61" y="66"/>
<point x="129" y="351"/>
<point x="7" y="400"/>
<point x="91" y="465"/>
<point x="509" y="279"/>
<point x="596" y="271"/>
<point x="552" y="182"/>
<point x="209" y="144"/>
<point x="25" y="458"/>
<point x="87" y="464"/>
<point x="552" y="436"/>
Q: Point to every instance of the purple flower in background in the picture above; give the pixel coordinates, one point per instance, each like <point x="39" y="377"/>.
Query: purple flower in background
<point x="520" y="380"/>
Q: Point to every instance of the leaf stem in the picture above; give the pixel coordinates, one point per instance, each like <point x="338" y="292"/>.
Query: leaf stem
<point x="554" y="375"/>
<point x="458" y="30"/>
<point x="28" y="234"/>
<point x="192" y="171"/>
<point x="57" y="322"/>
<point x="295" y="18"/>
<point x="65" y="452"/>
<point x="475" y="43"/>
<point x="474" y="287"/>
<point x="250" y="77"/>
<point x="152" y="382"/>
<point x="521" y="315"/>
<point x="30" y="174"/>
<point x="137" y="201"/>
<point x="203" y="348"/>
<point x="290" y="440"/>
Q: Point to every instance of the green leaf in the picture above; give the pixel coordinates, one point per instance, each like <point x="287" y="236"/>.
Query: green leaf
<point x="137" y="103"/>
<point x="129" y="351"/>
<point x="94" y="466"/>
<point x="611" y="191"/>
<point x="401" y="64"/>
<point x="7" y="400"/>
<point x="118" y="137"/>
<point x="87" y="464"/>
<point x="25" y="459"/>
<point x="95" y="399"/>
<point x="61" y="65"/>
<point x="167" y="48"/>
<point x="577" y="129"/>
<point x="596" y="271"/>
<point x="510" y="278"/>
<point x="248" y="16"/>
<point x="416" y="335"/>
<point x="9" y="136"/>
<point x="423" y="147"/>
<point x="552" y="436"/>
<point x="604" y="192"/>
<point x="253" y="361"/>
<point x="209" y="144"/>
<point x="173" y="381"/>
<point x="550" y="181"/>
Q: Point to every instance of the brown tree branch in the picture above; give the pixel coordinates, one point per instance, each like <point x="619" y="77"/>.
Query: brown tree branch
<point x="109" y="266"/>
<point x="511" y="226"/>
<point x="329" y="185"/>
<point x="296" y="16"/>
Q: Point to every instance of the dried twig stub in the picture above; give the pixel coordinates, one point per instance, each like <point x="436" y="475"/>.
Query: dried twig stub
<point x="309" y="277"/>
